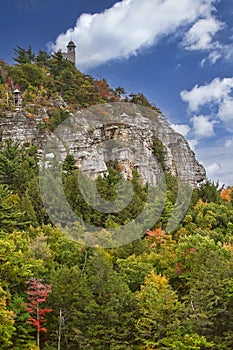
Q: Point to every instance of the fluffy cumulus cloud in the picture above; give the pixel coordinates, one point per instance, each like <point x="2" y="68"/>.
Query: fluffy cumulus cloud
<point x="225" y="112"/>
<point x="131" y="25"/>
<point x="217" y="161"/>
<point x="217" y="92"/>
<point x="182" y="129"/>
<point x="211" y="112"/>
<point x="215" y="96"/>
<point x="213" y="169"/>
<point x="203" y="126"/>
<point x="200" y="35"/>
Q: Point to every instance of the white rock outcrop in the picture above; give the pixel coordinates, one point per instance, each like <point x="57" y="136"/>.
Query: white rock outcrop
<point x="122" y="133"/>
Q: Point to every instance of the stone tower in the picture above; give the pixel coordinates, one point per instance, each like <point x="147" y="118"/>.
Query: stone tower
<point x="70" y="54"/>
<point x="17" y="99"/>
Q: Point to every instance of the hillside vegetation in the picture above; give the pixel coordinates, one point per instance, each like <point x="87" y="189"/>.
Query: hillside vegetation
<point x="164" y="291"/>
<point x="47" y="80"/>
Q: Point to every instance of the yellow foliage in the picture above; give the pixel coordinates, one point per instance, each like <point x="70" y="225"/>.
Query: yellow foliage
<point x="34" y="347"/>
<point x="6" y="320"/>
<point x="158" y="280"/>
<point x="228" y="246"/>
<point x="12" y="199"/>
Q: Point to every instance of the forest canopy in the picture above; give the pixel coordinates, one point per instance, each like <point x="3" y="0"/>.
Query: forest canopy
<point x="164" y="291"/>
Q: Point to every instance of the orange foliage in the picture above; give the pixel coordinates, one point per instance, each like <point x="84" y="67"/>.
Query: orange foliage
<point x="121" y="166"/>
<point x="46" y="119"/>
<point x="226" y="194"/>
<point x="158" y="236"/>
<point x="105" y="91"/>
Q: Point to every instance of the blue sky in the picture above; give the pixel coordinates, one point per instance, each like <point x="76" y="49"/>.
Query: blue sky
<point x="179" y="53"/>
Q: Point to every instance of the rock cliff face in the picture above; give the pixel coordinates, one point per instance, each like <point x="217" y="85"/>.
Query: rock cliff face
<point x="22" y="128"/>
<point x="120" y="133"/>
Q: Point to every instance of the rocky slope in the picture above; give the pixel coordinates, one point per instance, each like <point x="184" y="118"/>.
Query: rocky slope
<point x="119" y="133"/>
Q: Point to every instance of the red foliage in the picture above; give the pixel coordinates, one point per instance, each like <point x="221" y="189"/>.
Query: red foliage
<point x="105" y="91"/>
<point x="37" y="294"/>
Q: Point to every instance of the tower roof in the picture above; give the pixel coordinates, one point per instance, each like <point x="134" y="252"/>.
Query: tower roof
<point x="71" y="44"/>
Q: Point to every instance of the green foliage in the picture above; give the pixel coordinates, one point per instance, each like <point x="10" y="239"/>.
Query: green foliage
<point x="56" y="75"/>
<point x="91" y="306"/>
<point x="113" y="299"/>
<point x="22" y="339"/>
<point x="160" y="310"/>
<point x="17" y="261"/>
<point x="106" y="187"/>
<point x="209" y="191"/>
<point x="110" y="313"/>
<point x="57" y="117"/>
<point x="158" y="151"/>
<point x="42" y="58"/>
<point x="18" y="169"/>
<point x="9" y="162"/>
<point x="210" y="219"/>
<point x="11" y="216"/>
<point x="164" y="291"/>
<point x="140" y="99"/>
<point x="180" y="341"/>
<point x="24" y="56"/>
<point x="69" y="163"/>
<point x="133" y="271"/>
<point x="69" y="299"/>
<point x="120" y="91"/>
<point x="27" y="74"/>
<point x="207" y="269"/>
<point x="6" y="321"/>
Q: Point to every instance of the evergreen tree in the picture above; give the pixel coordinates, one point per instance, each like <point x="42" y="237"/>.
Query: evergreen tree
<point x="24" y="56"/>
<point x="11" y="216"/>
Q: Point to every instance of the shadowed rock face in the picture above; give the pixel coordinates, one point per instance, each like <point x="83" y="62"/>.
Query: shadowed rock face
<point x="122" y="133"/>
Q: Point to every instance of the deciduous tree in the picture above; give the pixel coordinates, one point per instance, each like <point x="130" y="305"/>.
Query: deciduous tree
<point x="37" y="294"/>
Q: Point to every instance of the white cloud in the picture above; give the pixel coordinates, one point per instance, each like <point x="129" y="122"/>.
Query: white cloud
<point x="216" y="92"/>
<point x="200" y="35"/>
<point x="217" y="161"/>
<point x="229" y="143"/>
<point x="131" y="25"/>
<point x="193" y="143"/>
<point x="182" y="129"/>
<point x="218" y="51"/>
<point x="213" y="169"/>
<point x="216" y="96"/>
<point x="203" y="126"/>
<point x="216" y="101"/>
<point x="213" y="57"/>
<point x="225" y="112"/>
